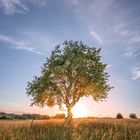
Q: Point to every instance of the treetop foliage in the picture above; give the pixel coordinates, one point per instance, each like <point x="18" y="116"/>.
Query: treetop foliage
<point x="72" y="71"/>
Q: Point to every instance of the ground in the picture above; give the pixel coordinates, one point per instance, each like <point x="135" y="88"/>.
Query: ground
<point x="81" y="129"/>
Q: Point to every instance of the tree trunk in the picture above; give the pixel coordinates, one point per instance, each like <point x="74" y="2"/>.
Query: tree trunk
<point x="69" y="113"/>
<point x="69" y="116"/>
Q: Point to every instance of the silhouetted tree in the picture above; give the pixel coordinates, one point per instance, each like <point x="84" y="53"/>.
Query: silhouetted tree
<point x="70" y="73"/>
<point x="132" y="116"/>
<point x="119" y="116"/>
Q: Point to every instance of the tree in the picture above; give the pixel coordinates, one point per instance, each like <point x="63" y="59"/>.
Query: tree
<point x="132" y="116"/>
<point x="119" y="116"/>
<point x="72" y="71"/>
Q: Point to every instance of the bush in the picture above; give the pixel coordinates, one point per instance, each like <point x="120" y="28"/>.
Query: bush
<point x="119" y="116"/>
<point x="132" y="116"/>
<point x="3" y="117"/>
<point x="60" y="116"/>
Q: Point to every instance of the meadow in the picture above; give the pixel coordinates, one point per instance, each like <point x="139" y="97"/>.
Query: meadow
<point x="80" y="129"/>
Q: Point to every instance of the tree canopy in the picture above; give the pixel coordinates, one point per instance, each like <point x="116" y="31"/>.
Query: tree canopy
<point x="72" y="71"/>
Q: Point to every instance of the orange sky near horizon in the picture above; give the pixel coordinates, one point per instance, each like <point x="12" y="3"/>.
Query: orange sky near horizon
<point x="86" y="107"/>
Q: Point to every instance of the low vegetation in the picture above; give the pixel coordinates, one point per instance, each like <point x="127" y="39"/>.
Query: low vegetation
<point x="11" y="116"/>
<point x="81" y="129"/>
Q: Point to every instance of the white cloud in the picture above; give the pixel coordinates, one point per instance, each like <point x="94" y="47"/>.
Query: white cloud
<point x="40" y="41"/>
<point x="136" y="73"/>
<point x="18" y="44"/>
<point x="96" y="36"/>
<point x="111" y="20"/>
<point x="129" y="53"/>
<point x="132" y="51"/>
<point x="135" y="39"/>
<point x="13" y="6"/>
<point x="127" y="34"/>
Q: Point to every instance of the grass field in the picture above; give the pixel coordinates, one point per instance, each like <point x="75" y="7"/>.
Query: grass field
<point x="81" y="129"/>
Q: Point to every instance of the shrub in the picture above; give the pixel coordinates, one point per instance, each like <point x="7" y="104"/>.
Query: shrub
<point x="132" y="116"/>
<point x="119" y="116"/>
<point x="60" y="116"/>
<point x="3" y="117"/>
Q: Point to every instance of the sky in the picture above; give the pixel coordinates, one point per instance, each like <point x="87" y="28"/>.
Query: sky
<point x="30" y="29"/>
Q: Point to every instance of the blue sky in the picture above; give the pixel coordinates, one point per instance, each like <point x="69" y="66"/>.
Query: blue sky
<point x="30" y="29"/>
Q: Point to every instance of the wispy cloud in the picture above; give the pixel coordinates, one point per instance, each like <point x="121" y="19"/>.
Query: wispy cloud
<point x="132" y="51"/>
<point x="136" y="73"/>
<point x="130" y="38"/>
<point x="18" y="44"/>
<point x="13" y="6"/>
<point x="127" y="34"/>
<point x="129" y="53"/>
<point x="95" y="36"/>
<point x="40" y="40"/>
<point x="135" y="38"/>
<point x="112" y="20"/>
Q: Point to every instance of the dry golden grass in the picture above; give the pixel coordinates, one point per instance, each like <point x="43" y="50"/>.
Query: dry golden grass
<point x="81" y="129"/>
<point x="11" y="123"/>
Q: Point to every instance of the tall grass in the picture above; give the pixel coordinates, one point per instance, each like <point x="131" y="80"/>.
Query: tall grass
<point x="83" y="129"/>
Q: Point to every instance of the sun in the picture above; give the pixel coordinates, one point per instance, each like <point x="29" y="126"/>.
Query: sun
<point x="79" y="110"/>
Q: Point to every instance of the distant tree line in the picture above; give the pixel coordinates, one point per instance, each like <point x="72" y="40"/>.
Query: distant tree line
<point x="12" y="116"/>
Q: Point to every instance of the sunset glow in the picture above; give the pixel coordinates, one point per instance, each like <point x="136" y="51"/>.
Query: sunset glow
<point x="79" y="110"/>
